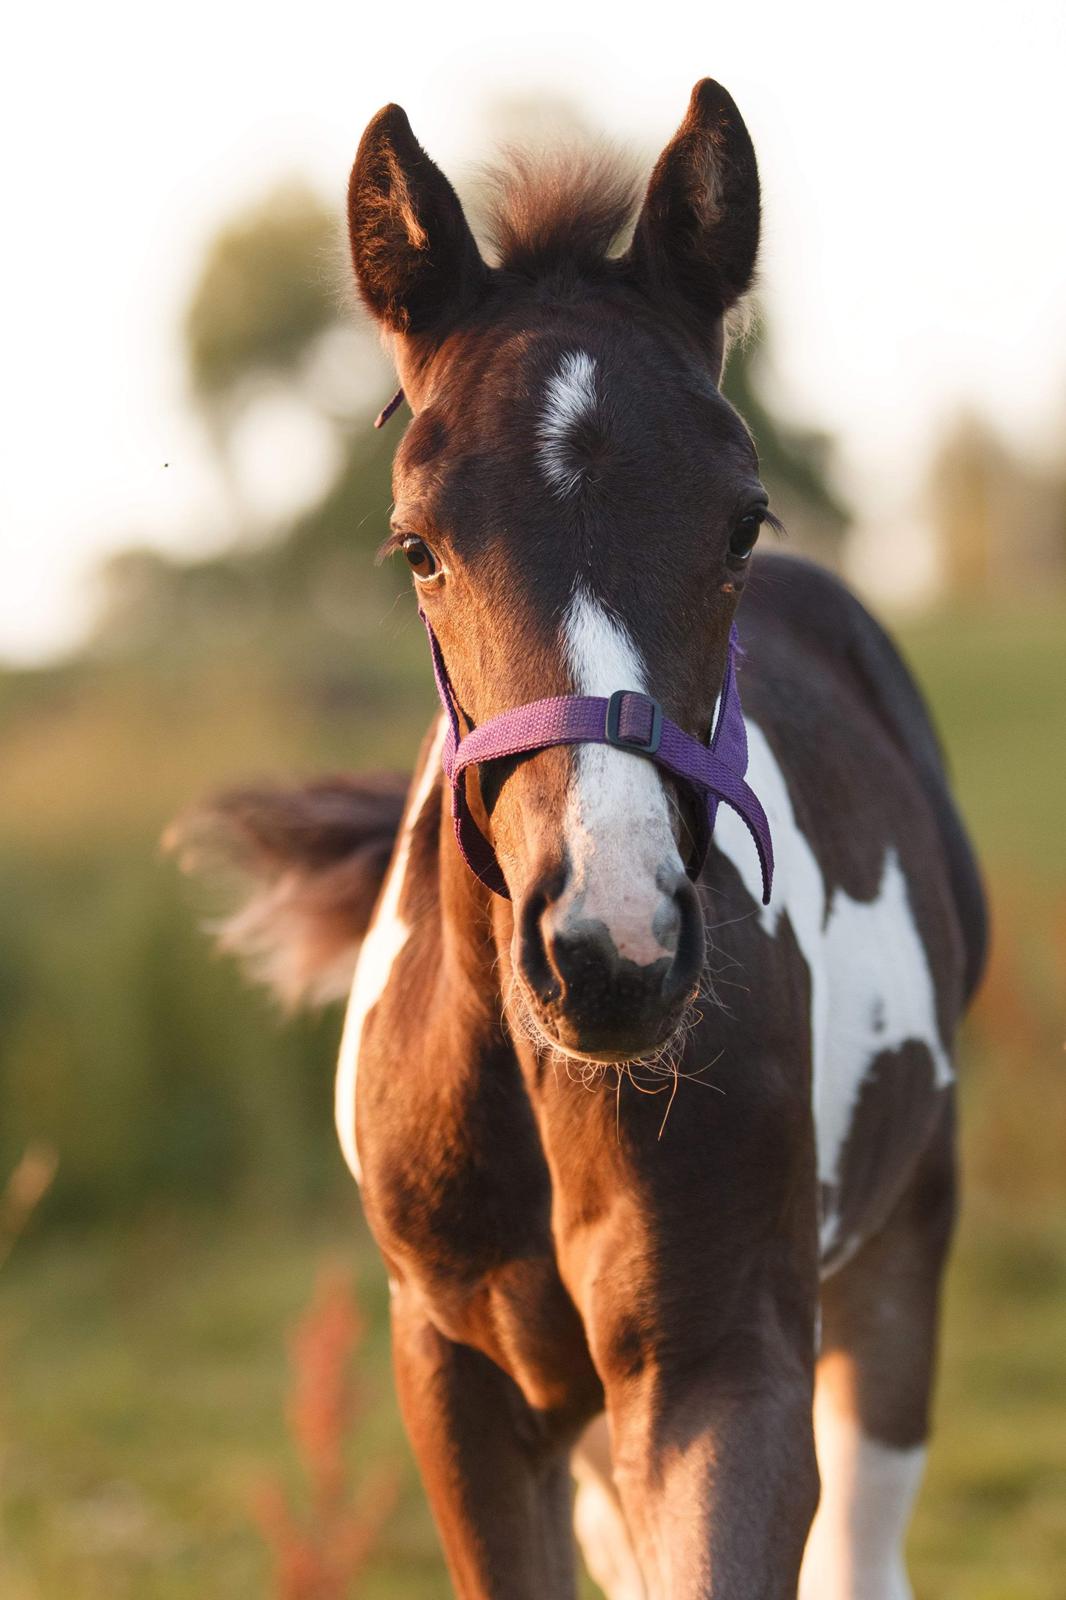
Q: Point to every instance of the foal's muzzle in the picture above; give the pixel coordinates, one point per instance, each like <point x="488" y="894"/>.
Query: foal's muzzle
<point x="590" y="999"/>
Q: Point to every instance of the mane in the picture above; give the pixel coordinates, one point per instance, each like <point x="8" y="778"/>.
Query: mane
<point x="545" y="210"/>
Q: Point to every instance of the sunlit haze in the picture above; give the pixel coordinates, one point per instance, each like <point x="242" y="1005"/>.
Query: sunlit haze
<point x="912" y="263"/>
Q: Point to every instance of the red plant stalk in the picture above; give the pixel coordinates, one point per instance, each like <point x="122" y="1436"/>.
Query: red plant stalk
<point x="319" y="1555"/>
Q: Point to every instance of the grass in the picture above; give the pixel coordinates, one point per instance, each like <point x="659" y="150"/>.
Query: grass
<point x="148" y="1374"/>
<point x="991" y="1522"/>
<point x="996" y="681"/>
<point x="147" y="1410"/>
<point x="143" y="1369"/>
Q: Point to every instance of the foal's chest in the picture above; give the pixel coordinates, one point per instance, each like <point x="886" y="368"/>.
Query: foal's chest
<point x="457" y="1194"/>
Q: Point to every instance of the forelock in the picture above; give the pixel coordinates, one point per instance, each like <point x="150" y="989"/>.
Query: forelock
<point x="558" y="209"/>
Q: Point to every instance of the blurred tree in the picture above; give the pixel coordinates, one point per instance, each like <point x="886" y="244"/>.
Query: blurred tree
<point x="267" y="290"/>
<point x="1000" y="518"/>
<point x="269" y="314"/>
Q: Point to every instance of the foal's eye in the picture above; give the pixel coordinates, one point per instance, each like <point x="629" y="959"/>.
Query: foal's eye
<point x="420" y="557"/>
<point x="743" y="538"/>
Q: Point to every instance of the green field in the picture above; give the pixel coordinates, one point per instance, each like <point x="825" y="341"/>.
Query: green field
<point x="143" y="1317"/>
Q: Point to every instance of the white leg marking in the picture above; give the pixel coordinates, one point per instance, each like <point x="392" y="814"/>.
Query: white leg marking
<point x="383" y="943"/>
<point x="617" y="821"/>
<point x="571" y="398"/>
<point x="855" y="1547"/>
<point x="871" y="988"/>
<point x="598" y="1521"/>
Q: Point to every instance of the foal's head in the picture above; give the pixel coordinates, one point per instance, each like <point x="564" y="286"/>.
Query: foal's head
<point x="577" y="503"/>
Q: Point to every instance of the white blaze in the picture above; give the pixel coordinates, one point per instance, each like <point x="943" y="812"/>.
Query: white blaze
<point x="387" y="935"/>
<point x="617" y="821"/>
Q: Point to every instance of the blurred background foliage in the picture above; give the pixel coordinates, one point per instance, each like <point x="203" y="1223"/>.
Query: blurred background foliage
<point x="198" y="1181"/>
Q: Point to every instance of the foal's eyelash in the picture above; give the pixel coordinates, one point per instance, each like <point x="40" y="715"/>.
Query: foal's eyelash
<point x="390" y="545"/>
<point x="773" y="521"/>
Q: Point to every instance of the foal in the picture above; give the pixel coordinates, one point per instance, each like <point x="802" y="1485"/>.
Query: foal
<point x="642" y="1148"/>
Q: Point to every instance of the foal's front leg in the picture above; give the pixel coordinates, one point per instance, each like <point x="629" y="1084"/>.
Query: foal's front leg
<point x="706" y="1356"/>
<point x="696" y="1274"/>
<point x="717" y="1475"/>
<point x="497" y="1478"/>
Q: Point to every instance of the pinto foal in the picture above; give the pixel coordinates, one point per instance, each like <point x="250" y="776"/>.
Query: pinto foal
<point x="639" y="1284"/>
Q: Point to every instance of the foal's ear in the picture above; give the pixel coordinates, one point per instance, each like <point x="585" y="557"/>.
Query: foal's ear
<point x="416" y="263"/>
<point x="698" y="232"/>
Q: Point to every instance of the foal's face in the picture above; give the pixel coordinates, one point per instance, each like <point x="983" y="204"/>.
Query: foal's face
<point x="578" y="505"/>
<point x="578" y="518"/>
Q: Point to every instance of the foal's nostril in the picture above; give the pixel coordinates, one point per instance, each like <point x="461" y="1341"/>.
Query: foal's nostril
<point x="536" y="964"/>
<point x="687" y="922"/>
<point x="667" y="922"/>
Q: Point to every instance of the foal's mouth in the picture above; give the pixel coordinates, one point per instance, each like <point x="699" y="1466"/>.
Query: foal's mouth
<point x="632" y="1048"/>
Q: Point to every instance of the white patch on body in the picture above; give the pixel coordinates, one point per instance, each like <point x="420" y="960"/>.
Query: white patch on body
<point x="855" y="1549"/>
<point x="570" y="399"/>
<point x="598" y="1520"/>
<point x="617" y="821"/>
<point x="385" y="939"/>
<point x="871" y="988"/>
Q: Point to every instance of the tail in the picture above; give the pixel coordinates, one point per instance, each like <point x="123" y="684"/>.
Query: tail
<point x="309" y="863"/>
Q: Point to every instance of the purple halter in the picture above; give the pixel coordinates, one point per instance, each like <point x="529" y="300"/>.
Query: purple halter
<point x="629" y="721"/>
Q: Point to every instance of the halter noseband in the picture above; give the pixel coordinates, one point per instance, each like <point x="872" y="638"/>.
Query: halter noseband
<point x="629" y="721"/>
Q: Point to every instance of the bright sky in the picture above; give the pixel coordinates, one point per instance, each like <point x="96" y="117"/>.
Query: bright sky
<point x="914" y="249"/>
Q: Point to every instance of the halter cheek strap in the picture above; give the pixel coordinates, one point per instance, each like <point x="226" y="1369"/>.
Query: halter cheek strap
<point x="628" y="720"/>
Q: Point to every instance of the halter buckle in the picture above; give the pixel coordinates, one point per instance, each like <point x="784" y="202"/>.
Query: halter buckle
<point x="613" y="726"/>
